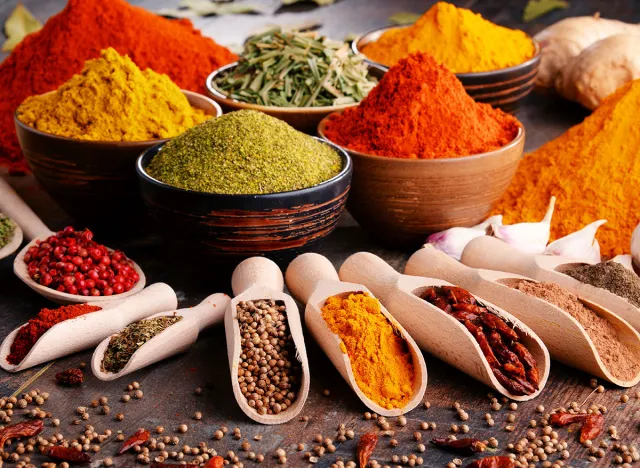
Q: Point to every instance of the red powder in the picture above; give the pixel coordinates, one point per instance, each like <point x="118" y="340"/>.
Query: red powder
<point x="48" y="58"/>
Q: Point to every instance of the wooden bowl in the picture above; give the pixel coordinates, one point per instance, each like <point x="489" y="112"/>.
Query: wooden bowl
<point x="240" y="226"/>
<point x="401" y="201"/>
<point x="92" y="178"/>
<point x="504" y="88"/>
<point x="304" y="119"/>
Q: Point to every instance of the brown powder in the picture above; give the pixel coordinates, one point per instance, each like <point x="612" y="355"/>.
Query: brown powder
<point x="618" y="358"/>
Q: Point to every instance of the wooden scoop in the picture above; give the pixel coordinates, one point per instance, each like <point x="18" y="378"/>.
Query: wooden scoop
<point x="254" y="279"/>
<point x="436" y="331"/>
<point x="175" y="339"/>
<point x="566" y="339"/>
<point x="312" y="279"/>
<point x="88" y="330"/>
<point x="493" y="254"/>
<point x="33" y="228"/>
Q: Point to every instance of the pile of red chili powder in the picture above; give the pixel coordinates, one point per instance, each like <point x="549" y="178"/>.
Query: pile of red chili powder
<point x="421" y="110"/>
<point x="46" y="59"/>
<point x="37" y="326"/>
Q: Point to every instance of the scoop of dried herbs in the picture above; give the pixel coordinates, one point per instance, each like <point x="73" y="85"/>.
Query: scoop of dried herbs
<point x="7" y="228"/>
<point x="127" y="342"/>
<point x="297" y="69"/>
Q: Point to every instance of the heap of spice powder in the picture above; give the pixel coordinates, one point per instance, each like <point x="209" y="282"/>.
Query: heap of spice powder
<point x="244" y="152"/>
<point x="37" y="326"/>
<point x="622" y="361"/>
<point x="46" y="59"/>
<point x="7" y="228"/>
<point x="610" y="276"/>
<point x="269" y="375"/>
<point x="456" y="37"/>
<point x="297" y="69"/>
<point x="122" y="346"/>
<point x="421" y="110"/>
<point x="380" y="358"/>
<point x="592" y="170"/>
<point x="112" y="100"/>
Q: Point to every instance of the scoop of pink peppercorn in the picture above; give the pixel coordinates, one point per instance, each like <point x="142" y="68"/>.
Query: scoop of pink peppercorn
<point x="72" y="262"/>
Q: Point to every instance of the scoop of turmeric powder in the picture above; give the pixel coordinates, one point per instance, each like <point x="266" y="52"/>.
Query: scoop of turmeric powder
<point x="112" y="100"/>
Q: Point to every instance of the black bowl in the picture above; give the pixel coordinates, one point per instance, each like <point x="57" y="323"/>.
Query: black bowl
<point x="279" y="225"/>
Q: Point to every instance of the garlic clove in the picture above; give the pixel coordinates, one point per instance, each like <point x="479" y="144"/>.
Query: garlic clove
<point x="579" y="245"/>
<point x="495" y="219"/>
<point x="528" y="237"/>
<point x="635" y="247"/>
<point x="453" y="241"/>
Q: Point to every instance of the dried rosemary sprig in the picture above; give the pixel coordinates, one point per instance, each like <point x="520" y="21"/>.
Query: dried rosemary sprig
<point x="297" y="69"/>
<point x="127" y="342"/>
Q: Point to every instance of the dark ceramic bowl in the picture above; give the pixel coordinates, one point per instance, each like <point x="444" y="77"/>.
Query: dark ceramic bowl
<point x="240" y="226"/>
<point x="504" y="88"/>
<point x="92" y="180"/>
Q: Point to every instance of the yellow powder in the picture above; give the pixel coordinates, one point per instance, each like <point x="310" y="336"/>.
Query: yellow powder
<point x="380" y="359"/>
<point x="112" y="100"/>
<point x="458" y="38"/>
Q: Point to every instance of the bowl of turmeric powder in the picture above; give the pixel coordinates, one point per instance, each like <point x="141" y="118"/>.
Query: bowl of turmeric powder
<point x="496" y="65"/>
<point x="81" y="141"/>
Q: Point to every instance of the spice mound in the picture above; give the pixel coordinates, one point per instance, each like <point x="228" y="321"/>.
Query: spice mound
<point x="7" y="228"/>
<point x="244" y="152"/>
<point x="30" y="333"/>
<point x="578" y="168"/>
<point x="297" y="69"/>
<point x="620" y="360"/>
<point x="269" y="375"/>
<point x="421" y="110"/>
<point x="456" y="37"/>
<point x="511" y="362"/>
<point x="72" y="262"/>
<point x="112" y="100"/>
<point x="380" y="358"/>
<point x="611" y="276"/>
<point x="122" y="346"/>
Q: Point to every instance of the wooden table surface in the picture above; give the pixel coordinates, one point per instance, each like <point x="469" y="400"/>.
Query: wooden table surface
<point x="168" y="386"/>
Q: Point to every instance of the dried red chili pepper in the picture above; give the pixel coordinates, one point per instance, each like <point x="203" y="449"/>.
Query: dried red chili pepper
<point x="70" y="377"/>
<point x="493" y="462"/>
<point x="496" y="323"/>
<point x="366" y="446"/>
<point x="481" y="338"/>
<point x="22" y="429"/>
<point x="511" y="362"/>
<point x="67" y="454"/>
<point x="514" y="385"/>
<point x="458" y="295"/>
<point x="215" y="462"/>
<point x="592" y="427"/>
<point x="464" y="446"/>
<point x="564" y="419"/>
<point x="176" y="465"/>
<point x="140" y="437"/>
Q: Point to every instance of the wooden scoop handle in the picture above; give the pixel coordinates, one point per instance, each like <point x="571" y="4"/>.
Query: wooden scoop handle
<point x="256" y="270"/>
<point x="154" y="298"/>
<point x="304" y="273"/>
<point x="208" y="312"/>
<point x="493" y="254"/>
<point x="434" y="263"/>
<point x="15" y="208"/>
<point x="372" y="271"/>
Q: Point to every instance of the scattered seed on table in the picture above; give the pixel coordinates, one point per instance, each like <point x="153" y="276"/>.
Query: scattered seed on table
<point x="182" y="428"/>
<point x="138" y="394"/>
<point x="197" y="416"/>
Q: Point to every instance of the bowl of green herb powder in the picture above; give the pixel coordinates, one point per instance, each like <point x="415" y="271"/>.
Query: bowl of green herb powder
<point x="10" y="236"/>
<point x="244" y="184"/>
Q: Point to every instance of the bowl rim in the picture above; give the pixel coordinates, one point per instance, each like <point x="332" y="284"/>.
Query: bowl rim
<point x="344" y="172"/>
<point x="219" y="96"/>
<point x="457" y="160"/>
<point x="125" y="144"/>
<point x="467" y="75"/>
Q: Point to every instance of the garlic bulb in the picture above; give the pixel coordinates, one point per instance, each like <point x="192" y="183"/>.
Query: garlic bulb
<point x="580" y="245"/>
<point x="453" y="241"/>
<point x="527" y="237"/>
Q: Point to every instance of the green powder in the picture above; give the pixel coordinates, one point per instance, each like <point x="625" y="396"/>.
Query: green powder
<point x="7" y="228"/>
<point x="244" y="152"/>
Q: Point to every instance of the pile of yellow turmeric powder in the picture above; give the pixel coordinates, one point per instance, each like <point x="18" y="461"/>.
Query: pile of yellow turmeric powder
<point x="461" y="40"/>
<point x="112" y="100"/>
<point x="594" y="171"/>
<point x="380" y="359"/>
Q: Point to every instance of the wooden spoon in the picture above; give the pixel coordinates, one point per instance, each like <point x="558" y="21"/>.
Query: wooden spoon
<point x="493" y="254"/>
<point x="564" y="336"/>
<point x="436" y="331"/>
<point x="175" y="339"/>
<point x="253" y="279"/>
<point x="33" y="228"/>
<point x="88" y="330"/>
<point x="312" y="279"/>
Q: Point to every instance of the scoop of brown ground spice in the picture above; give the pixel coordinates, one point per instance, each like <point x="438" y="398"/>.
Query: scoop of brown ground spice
<point x="622" y="362"/>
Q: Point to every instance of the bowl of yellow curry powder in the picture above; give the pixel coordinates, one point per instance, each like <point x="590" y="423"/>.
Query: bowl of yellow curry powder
<point x="81" y="141"/>
<point x="496" y="65"/>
